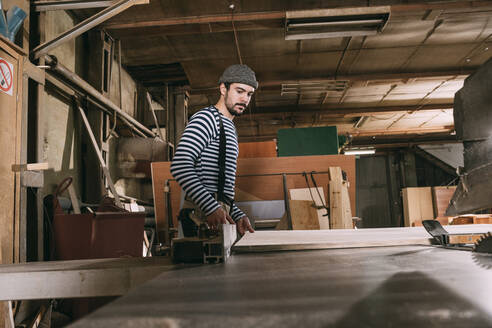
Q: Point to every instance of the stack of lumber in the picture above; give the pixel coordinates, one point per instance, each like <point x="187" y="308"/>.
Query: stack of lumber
<point x="427" y="203"/>
<point x="472" y="219"/>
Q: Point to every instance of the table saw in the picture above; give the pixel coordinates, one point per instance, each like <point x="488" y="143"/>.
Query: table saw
<point x="372" y="286"/>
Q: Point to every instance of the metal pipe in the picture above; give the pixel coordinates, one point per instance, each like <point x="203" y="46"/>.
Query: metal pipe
<point x="91" y="91"/>
<point x="67" y="93"/>
<point x="83" y="26"/>
<point x="286" y="201"/>
<point x="70" y="5"/>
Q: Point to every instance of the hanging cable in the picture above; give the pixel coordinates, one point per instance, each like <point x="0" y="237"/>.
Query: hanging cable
<point x="318" y="207"/>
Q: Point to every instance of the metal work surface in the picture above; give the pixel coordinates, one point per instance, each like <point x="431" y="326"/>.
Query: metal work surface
<point x="401" y="286"/>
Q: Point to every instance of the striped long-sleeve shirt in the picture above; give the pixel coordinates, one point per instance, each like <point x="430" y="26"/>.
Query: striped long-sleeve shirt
<point x="195" y="165"/>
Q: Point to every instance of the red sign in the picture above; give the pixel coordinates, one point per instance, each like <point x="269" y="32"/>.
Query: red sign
<point x="6" y="76"/>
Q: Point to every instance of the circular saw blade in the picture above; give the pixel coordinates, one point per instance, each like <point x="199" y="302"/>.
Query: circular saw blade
<point x="484" y="244"/>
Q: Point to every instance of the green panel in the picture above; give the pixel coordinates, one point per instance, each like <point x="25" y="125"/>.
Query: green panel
<point x="308" y="141"/>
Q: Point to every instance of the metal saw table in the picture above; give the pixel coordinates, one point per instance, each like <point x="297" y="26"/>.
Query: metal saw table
<point x="397" y="286"/>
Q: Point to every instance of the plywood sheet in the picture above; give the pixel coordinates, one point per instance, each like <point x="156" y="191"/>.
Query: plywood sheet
<point x="9" y="144"/>
<point x="241" y="196"/>
<point x="257" y="149"/>
<point x="417" y="205"/>
<point x="78" y="278"/>
<point x="263" y="241"/>
<point x="441" y="197"/>
<point x="304" y="215"/>
<point x="306" y="194"/>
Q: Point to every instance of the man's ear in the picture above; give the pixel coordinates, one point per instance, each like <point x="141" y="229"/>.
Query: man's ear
<point x="223" y="89"/>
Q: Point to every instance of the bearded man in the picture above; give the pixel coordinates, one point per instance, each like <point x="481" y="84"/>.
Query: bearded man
<point x="205" y="161"/>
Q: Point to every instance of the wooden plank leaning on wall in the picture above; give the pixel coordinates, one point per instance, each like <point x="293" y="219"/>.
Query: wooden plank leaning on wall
<point x="263" y="187"/>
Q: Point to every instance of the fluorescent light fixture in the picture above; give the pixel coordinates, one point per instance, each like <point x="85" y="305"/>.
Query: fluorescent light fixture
<point x="333" y="23"/>
<point x="359" y="152"/>
<point x="314" y="87"/>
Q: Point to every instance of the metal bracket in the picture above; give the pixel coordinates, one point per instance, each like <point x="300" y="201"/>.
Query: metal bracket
<point x="84" y="26"/>
<point x="99" y="155"/>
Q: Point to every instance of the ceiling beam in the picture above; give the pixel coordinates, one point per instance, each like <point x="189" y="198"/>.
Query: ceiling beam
<point x="276" y="84"/>
<point x="378" y="141"/>
<point x="261" y="113"/>
<point x="396" y="6"/>
<point x="196" y="20"/>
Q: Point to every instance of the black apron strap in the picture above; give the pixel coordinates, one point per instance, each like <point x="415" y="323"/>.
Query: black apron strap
<point x="222" y="160"/>
<point x="222" y="166"/>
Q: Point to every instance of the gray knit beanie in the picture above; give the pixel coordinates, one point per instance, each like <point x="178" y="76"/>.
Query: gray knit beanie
<point x="239" y="74"/>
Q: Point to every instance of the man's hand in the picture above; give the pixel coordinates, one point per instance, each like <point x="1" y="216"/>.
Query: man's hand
<point x="219" y="216"/>
<point x="243" y="224"/>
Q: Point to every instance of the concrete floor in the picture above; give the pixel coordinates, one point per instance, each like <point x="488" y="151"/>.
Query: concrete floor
<point x="403" y="286"/>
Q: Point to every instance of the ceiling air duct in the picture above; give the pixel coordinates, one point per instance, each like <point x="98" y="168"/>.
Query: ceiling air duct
<point x="334" y="23"/>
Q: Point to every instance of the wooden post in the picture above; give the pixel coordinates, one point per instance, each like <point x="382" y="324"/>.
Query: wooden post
<point x="340" y="212"/>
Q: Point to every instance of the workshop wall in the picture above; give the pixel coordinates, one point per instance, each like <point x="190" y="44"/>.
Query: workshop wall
<point x="128" y="89"/>
<point x="380" y="180"/>
<point x="61" y="129"/>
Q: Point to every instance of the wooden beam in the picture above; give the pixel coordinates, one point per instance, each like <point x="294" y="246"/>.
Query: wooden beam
<point x="274" y="85"/>
<point x="30" y="167"/>
<point x="308" y="110"/>
<point x="396" y="6"/>
<point x="196" y="20"/>
<point x="79" y="278"/>
<point x="439" y="5"/>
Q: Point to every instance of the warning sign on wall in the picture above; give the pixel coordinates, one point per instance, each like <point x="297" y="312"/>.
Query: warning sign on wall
<point x="6" y="77"/>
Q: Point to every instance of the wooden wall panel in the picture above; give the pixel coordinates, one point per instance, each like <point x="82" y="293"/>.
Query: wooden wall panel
<point x="263" y="187"/>
<point x="10" y="118"/>
<point x="257" y="149"/>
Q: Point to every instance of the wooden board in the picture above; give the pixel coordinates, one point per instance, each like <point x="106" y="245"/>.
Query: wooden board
<point x="482" y="220"/>
<point x="257" y="149"/>
<point x="79" y="278"/>
<point x="305" y="194"/>
<point x="10" y="139"/>
<point x="473" y="219"/>
<point x="242" y="196"/>
<point x="263" y="187"/>
<point x="304" y="215"/>
<point x="340" y="212"/>
<point x="441" y="197"/>
<point x="417" y="205"/>
<point x="265" y="241"/>
<point x="282" y="224"/>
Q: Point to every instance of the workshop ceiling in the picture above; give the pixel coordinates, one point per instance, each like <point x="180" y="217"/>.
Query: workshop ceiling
<point x="396" y="86"/>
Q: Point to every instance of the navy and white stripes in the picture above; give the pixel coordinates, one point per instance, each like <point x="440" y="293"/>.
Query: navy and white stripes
<point x="195" y="165"/>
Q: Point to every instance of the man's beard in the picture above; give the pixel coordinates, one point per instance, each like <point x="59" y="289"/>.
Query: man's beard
<point x="234" y="112"/>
